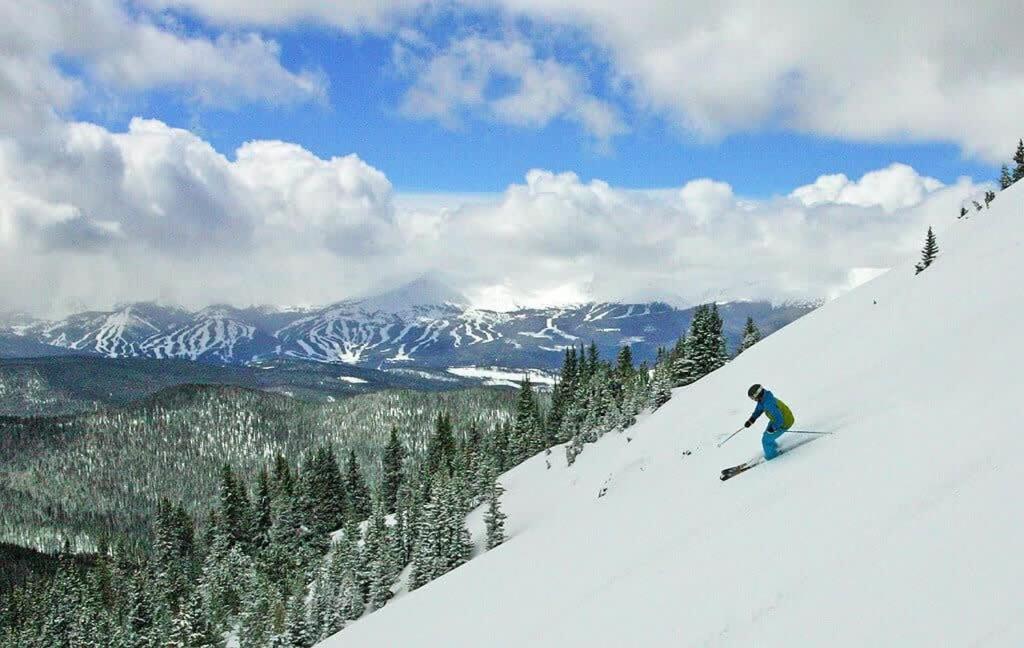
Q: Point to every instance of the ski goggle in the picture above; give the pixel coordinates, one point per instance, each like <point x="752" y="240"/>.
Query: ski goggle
<point x="757" y="394"/>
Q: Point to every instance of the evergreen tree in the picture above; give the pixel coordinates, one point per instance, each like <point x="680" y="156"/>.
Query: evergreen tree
<point x="441" y="447"/>
<point x="357" y="489"/>
<point x="494" y="518"/>
<point x="392" y="477"/>
<point x="928" y="252"/>
<point x="234" y="507"/>
<point x="322" y="493"/>
<point x="1018" y="158"/>
<point x="525" y="429"/>
<point x="455" y="544"/>
<point x="1005" y="177"/>
<point x="989" y="197"/>
<point x="258" y="623"/>
<point x="190" y="628"/>
<point x="377" y="560"/>
<point x="624" y="369"/>
<point x="751" y="336"/>
<point x="172" y="553"/>
<point x="297" y="633"/>
<point x="425" y="550"/>
<point x="661" y="386"/>
<point x="261" y="511"/>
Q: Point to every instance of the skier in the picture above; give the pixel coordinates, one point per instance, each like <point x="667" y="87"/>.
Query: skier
<point x="779" y="415"/>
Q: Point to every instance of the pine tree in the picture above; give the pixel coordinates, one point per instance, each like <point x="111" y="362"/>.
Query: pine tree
<point x="425" y="550"/>
<point x="1005" y="177"/>
<point x="234" y="507"/>
<point x="297" y="633"/>
<point x="989" y="197"/>
<point x="441" y="447"/>
<point x="173" y="539"/>
<point x="1018" y="158"/>
<point x="322" y="494"/>
<point x="525" y="428"/>
<point x="261" y="511"/>
<point x="392" y="477"/>
<point x="661" y="386"/>
<point x="455" y="544"/>
<point x="377" y="560"/>
<point x="494" y="518"/>
<point x="751" y="336"/>
<point x="357" y="489"/>
<point x="928" y="252"/>
<point x="624" y="369"/>
<point x="257" y="624"/>
<point x="190" y="629"/>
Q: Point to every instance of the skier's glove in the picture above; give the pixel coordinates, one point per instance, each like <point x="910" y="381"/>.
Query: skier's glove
<point x="748" y="423"/>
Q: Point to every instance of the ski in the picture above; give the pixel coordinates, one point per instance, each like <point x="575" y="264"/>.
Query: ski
<point x="729" y="473"/>
<point x="732" y="471"/>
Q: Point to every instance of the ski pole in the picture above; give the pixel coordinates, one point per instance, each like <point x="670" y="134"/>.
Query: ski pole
<point x="722" y="443"/>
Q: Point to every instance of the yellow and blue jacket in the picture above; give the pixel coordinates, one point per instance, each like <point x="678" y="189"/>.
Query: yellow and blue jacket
<point x="778" y="412"/>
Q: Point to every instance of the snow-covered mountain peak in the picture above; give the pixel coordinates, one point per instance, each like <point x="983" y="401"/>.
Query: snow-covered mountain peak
<point x="422" y="292"/>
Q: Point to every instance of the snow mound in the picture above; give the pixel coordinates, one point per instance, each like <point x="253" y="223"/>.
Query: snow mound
<point x="900" y="529"/>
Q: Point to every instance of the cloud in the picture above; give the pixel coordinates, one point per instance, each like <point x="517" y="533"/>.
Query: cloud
<point x="874" y="70"/>
<point x="120" y="52"/>
<point x="866" y="71"/>
<point x="352" y="15"/>
<point x="896" y="186"/>
<point x="507" y="82"/>
<point x="556" y="236"/>
<point x="98" y="217"/>
<point x="91" y="217"/>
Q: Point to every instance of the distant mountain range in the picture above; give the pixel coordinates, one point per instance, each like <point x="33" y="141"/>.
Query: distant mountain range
<point x="421" y="326"/>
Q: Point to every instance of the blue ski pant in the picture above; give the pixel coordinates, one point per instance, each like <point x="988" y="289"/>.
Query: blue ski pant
<point x="768" y="441"/>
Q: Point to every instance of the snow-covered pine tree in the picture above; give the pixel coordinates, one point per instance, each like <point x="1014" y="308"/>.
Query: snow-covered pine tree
<point x="524" y="430"/>
<point x="566" y="388"/>
<point x="235" y="513"/>
<point x="494" y="518"/>
<point x="355" y="486"/>
<point x="751" y="336"/>
<point x="427" y="547"/>
<point x="227" y="573"/>
<point x="377" y="559"/>
<point x="716" y="327"/>
<point x="929" y="252"/>
<point x="262" y="517"/>
<point x="441" y="446"/>
<point x="1005" y="177"/>
<point x="172" y="548"/>
<point x="190" y="628"/>
<point x="1018" y="158"/>
<point x="661" y="386"/>
<point x="392" y="475"/>
<point x="456" y="545"/>
<point x="320" y="492"/>
<point x="257" y="621"/>
<point x="989" y="197"/>
<point x="624" y="369"/>
<point x="296" y="628"/>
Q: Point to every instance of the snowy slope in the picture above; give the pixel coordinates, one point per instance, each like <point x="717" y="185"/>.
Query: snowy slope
<point x="903" y="528"/>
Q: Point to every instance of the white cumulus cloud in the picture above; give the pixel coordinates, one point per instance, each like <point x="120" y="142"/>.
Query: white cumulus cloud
<point x="508" y="82"/>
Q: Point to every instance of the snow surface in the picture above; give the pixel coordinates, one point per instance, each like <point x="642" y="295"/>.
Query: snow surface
<point x="903" y="528"/>
<point x="500" y="376"/>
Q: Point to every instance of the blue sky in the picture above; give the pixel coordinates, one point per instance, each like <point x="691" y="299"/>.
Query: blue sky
<point x="361" y="114"/>
<point x="201" y="151"/>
